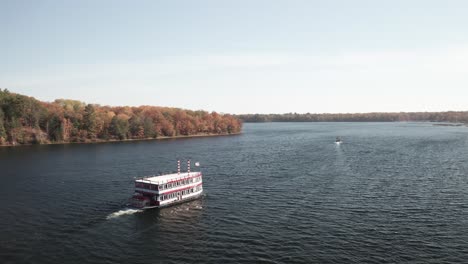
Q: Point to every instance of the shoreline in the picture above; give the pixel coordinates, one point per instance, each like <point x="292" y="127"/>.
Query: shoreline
<point x="100" y="141"/>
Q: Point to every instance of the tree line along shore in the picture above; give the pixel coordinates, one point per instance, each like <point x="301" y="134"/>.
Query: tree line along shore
<point x="26" y="120"/>
<point x="448" y="117"/>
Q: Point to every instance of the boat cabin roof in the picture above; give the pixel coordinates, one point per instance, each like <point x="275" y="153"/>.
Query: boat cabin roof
<point x="161" y="179"/>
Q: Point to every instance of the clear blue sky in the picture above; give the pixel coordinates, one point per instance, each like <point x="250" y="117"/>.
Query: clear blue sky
<point x="240" y="56"/>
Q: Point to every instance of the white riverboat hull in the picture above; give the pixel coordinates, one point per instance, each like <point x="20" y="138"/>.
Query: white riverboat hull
<point x="168" y="189"/>
<point x="171" y="203"/>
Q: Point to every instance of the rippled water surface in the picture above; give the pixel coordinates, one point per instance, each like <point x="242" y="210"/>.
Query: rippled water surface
<point x="278" y="193"/>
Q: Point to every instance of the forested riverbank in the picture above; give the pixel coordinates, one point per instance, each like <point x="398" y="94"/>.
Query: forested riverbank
<point x="449" y="116"/>
<point x="26" y="120"/>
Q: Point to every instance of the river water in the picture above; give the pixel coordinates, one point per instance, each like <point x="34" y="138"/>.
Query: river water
<point x="278" y="193"/>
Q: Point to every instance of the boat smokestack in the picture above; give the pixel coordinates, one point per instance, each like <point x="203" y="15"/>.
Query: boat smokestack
<point x="178" y="166"/>
<point x="188" y="166"/>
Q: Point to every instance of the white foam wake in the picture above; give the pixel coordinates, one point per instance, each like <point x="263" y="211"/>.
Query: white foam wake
<point x="123" y="212"/>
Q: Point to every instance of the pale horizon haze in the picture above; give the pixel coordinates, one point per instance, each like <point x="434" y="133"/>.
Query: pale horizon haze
<point x="240" y="56"/>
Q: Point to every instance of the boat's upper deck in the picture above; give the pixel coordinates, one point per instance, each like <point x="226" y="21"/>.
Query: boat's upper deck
<point x="161" y="179"/>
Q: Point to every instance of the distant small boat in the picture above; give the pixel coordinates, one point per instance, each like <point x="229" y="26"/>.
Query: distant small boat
<point x="338" y="140"/>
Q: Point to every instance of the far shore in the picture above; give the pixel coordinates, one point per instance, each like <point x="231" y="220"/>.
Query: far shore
<point x="97" y="141"/>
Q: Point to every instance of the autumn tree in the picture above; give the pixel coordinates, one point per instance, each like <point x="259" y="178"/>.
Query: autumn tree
<point x="25" y="120"/>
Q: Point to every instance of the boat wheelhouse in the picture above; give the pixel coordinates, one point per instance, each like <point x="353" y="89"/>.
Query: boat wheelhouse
<point x="168" y="189"/>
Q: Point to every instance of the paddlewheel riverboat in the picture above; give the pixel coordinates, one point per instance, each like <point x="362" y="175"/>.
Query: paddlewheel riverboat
<point x="168" y="189"/>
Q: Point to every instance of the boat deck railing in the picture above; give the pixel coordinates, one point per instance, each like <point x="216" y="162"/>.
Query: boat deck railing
<point x="146" y="178"/>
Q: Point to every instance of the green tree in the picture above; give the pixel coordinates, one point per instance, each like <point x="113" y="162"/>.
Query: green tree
<point x="149" y="128"/>
<point x="89" y="121"/>
<point x="136" y="127"/>
<point x="55" y="128"/>
<point x="2" y="127"/>
<point x="119" y="127"/>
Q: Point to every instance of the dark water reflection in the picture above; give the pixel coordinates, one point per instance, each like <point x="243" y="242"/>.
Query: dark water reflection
<point x="279" y="193"/>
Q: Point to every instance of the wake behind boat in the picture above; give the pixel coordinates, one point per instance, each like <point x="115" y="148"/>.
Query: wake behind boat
<point x="169" y="189"/>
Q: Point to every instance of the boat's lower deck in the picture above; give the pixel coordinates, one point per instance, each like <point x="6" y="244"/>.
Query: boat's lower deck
<point x="168" y="202"/>
<point x="173" y="203"/>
